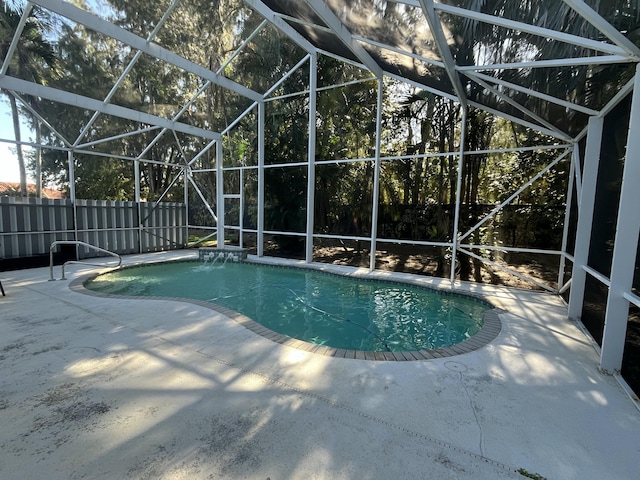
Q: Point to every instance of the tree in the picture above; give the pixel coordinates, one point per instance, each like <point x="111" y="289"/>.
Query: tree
<point x="33" y="60"/>
<point x="591" y="86"/>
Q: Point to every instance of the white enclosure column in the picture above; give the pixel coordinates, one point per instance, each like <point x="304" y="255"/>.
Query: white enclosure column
<point x="311" y="169"/>
<point x="575" y="158"/>
<point x="136" y="174"/>
<point x="586" y="205"/>
<point x="219" y="194"/>
<point x="456" y="217"/>
<point x="260" y="239"/>
<point x="625" y="246"/>
<point x="241" y="208"/>
<point x="72" y="196"/>
<point x="186" y="171"/>
<point x="376" y="178"/>
<point x="72" y="177"/>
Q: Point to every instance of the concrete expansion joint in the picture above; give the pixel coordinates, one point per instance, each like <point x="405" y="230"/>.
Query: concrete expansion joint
<point x="453" y="366"/>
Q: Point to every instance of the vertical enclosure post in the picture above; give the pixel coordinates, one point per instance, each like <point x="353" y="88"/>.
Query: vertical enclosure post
<point x="186" y="171"/>
<point x="72" y="196"/>
<point x="575" y="158"/>
<point x="625" y="246"/>
<point x="261" y="125"/>
<point x="376" y="178"/>
<point x="241" y="208"/>
<point x="136" y="174"/>
<point x="219" y="194"/>
<point x="586" y="205"/>
<point x="456" y="217"/>
<point x="311" y="168"/>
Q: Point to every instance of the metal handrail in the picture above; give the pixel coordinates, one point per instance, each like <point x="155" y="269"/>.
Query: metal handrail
<point x="84" y="244"/>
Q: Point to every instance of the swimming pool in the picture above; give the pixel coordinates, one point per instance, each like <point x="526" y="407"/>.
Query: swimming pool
<point x="313" y="306"/>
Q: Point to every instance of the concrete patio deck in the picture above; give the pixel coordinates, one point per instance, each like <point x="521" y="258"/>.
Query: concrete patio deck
<point x="100" y="388"/>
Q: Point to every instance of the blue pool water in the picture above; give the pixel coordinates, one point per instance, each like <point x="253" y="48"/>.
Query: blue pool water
<point x="313" y="306"/>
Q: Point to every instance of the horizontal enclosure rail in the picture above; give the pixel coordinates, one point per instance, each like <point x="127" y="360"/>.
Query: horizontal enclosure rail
<point x="597" y="275"/>
<point x="634" y="299"/>
<point x="82" y="244"/>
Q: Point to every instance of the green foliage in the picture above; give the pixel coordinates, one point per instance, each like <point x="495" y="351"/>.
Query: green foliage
<point x="588" y="85"/>
<point x="34" y="60"/>
<point x="420" y="130"/>
<point x="534" y="476"/>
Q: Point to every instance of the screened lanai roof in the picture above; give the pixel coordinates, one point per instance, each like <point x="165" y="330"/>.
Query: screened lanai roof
<point x="547" y="64"/>
<point x="451" y="47"/>
<point x="551" y="65"/>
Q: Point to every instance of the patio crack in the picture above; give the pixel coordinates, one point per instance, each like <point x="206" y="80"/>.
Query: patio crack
<point x="348" y="408"/>
<point x="460" y="368"/>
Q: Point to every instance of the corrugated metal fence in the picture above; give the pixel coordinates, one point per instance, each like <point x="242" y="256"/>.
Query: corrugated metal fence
<point x="28" y="226"/>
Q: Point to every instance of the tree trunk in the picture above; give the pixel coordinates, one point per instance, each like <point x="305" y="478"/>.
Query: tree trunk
<point x="16" y="129"/>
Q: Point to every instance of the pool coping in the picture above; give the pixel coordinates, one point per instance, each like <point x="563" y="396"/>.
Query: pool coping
<point x="490" y="329"/>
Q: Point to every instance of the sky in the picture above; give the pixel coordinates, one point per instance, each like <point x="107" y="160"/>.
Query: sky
<point x="9" y="171"/>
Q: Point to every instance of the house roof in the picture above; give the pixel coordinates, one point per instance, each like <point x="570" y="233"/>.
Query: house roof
<point x="13" y="188"/>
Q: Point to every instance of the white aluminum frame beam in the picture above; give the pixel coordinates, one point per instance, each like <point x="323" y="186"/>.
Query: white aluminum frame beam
<point x="633" y="299"/>
<point x="422" y="86"/>
<point x="281" y="25"/>
<point x="246" y="42"/>
<point x="311" y="157"/>
<point x="73" y="99"/>
<point x="160" y="134"/>
<point x="625" y="247"/>
<point x="180" y="149"/>
<point x="456" y="218"/>
<point x="578" y="170"/>
<point x="535" y="30"/>
<point x="344" y="35"/>
<point x="204" y="201"/>
<point x="435" y="24"/>
<point x="502" y="248"/>
<point x="107" y="28"/>
<point x="507" y="269"/>
<point x="557" y="62"/>
<point x="126" y="71"/>
<point x="16" y="37"/>
<point x="523" y="109"/>
<point x="261" y="156"/>
<point x="320" y="89"/>
<point x="116" y="137"/>
<point x="575" y="159"/>
<point x="87" y="152"/>
<point x="603" y="26"/>
<point x="375" y="197"/>
<point x="239" y="118"/>
<point x="40" y="118"/>
<point x="299" y="21"/>
<point x="120" y="157"/>
<point x="291" y="71"/>
<point x="586" y="206"/>
<point x="204" y="87"/>
<point x="340" y="58"/>
<point x="173" y="182"/>
<point x="415" y="56"/>
<point x="201" y="153"/>
<point x="517" y="120"/>
<point x="532" y="93"/>
<point x="526" y="185"/>
<point x="623" y="92"/>
<point x="219" y="196"/>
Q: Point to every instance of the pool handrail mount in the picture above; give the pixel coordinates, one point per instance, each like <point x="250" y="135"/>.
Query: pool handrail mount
<point x="78" y="243"/>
